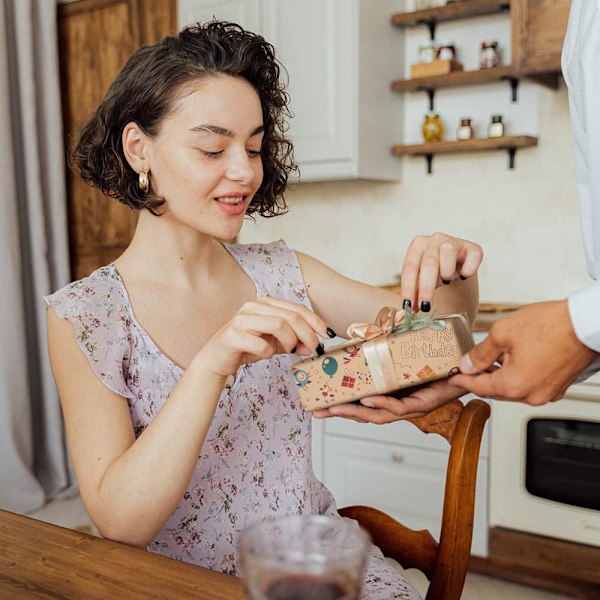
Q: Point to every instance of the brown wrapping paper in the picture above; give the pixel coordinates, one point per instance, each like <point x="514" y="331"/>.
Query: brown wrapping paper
<point x="385" y="363"/>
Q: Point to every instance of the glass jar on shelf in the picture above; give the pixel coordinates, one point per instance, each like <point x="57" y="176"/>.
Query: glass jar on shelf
<point x="496" y="127"/>
<point x="427" y="52"/>
<point x="465" y="130"/>
<point x="446" y="50"/>
<point x="433" y="128"/>
<point x="489" y="54"/>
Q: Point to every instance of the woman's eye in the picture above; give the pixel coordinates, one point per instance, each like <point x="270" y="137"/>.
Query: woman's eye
<point x="211" y="154"/>
<point x="253" y="153"/>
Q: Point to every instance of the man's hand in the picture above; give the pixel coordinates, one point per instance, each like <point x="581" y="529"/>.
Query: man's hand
<point x="539" y="352"/>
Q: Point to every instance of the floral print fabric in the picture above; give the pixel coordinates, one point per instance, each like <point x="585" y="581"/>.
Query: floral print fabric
<point x="255" y="462"/>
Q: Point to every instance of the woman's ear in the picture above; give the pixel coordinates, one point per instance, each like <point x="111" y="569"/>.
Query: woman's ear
<point x="136" y="146"/>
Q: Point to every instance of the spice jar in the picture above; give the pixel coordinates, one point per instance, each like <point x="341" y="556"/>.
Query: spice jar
<point x="465" y="130"/>
<point x="433" y="128"/>
<point x="489" y="55"/>
<point x="446" y="51"/>
<point x="496" y="127"/>
<point x="427" y="53"/>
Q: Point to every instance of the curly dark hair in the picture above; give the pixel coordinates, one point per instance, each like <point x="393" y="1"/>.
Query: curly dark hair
<point x="146" y="90"/>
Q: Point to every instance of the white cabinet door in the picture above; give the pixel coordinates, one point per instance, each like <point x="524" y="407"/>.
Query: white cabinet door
<point x="338" y="57"/>
<point x="405" y="482"/>
<point x="246" y="13"/>
<point x="315" y="41"/>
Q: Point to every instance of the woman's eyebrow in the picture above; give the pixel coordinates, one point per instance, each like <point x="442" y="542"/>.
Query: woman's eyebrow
<point x="207" y="128"/>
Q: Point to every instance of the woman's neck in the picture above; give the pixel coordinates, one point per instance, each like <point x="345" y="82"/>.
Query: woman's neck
<point x="171" y="253"/>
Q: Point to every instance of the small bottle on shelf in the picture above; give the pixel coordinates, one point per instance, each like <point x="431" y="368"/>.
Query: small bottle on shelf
<point x="489" y="54"/>
<point x="465" y="130"/>
<point x="496" y="127"/>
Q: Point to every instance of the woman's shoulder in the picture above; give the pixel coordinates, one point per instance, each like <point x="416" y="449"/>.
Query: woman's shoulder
<point x="98" y="292"/>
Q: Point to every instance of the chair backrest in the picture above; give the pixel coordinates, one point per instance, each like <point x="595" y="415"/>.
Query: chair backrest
<point x="445" y="563"/>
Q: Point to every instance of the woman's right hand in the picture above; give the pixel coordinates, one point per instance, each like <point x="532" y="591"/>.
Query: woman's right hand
<point x="261" y="328"/>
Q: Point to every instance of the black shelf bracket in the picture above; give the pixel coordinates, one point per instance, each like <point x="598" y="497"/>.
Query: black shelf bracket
<point x="511" y="157"/>
<point x="431" y="24"/>
<point x="514" y="85"/>
<point x="431" y="96"/>
<point x="429" y="159"/>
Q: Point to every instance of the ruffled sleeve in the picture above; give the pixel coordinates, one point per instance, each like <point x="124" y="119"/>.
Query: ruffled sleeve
<point x="101" y="325"/>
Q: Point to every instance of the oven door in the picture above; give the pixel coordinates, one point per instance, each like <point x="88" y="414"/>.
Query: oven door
<point x="545" y="466"/>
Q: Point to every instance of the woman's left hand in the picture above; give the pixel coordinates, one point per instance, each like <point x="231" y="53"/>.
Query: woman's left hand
<point x="387" y="409"/>
<point x="435" y="260"/>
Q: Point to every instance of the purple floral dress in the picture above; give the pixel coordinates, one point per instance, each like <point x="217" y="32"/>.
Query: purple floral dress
<point x="256" y="460"/>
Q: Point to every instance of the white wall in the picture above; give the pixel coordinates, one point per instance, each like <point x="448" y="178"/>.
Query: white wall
<point x="526" y="219"/>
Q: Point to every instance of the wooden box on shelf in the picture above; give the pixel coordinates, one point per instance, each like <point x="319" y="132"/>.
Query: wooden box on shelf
<point x="436" y="67"/>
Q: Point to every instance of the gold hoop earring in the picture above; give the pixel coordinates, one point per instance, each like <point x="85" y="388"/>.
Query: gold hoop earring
<point x="144" y="182"/>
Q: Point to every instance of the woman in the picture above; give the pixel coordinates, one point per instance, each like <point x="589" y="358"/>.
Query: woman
<point x="182" y="417"/>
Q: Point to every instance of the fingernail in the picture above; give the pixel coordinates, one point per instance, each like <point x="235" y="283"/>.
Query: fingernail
<point x="320" y="349"/>
<point x="293" y="350"/>
<point x="406" y="303"/>
<point x="331" y="333"/>
<point x="425" y="306"/>
<point x="445" y="282"/>
<point x="462" y="277"/>
<point x="466" y="364"/>
<point x="366" y="402"/>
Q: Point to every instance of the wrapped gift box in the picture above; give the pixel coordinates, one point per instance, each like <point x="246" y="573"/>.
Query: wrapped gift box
<point x="399" y="350"/>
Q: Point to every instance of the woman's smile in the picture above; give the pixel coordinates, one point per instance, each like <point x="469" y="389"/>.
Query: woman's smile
<point x="232" y="204"/>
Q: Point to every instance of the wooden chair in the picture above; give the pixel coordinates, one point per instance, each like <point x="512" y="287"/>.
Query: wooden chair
<point x="444" y="563"/>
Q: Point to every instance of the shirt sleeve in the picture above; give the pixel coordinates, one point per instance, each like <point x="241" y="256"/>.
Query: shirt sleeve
<point x="584" y="309"/>
<point x="580" y="69"/>
<point x="100" y="330"/>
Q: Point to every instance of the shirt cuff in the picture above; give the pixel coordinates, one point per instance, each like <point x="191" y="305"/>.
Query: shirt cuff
<point x="584" y="309"/>
<point x="589" y="371"/>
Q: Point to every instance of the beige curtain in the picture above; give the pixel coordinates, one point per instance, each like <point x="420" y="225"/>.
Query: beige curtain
<point x="34" y="467"/>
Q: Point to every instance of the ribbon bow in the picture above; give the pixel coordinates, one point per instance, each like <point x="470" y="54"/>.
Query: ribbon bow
<point x="391" y="320"/>
<point x="375" y="348"/>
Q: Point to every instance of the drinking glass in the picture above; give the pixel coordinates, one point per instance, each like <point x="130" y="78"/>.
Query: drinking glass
<point x="303" y="558"/>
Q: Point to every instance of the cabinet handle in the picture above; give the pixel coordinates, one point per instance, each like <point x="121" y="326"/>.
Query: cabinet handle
<point x="398" y="457"/>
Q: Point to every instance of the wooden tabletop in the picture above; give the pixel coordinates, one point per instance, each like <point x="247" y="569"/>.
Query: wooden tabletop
<point x="40" y="560"/>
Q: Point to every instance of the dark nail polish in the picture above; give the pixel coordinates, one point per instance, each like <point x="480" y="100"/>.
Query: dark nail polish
<point x="320" y="349"/>
<point x="331" y="333"/>
<point x="425" y="306"/>
<point x="445" y="282"/>
<point x="293" y="350"/>
<point x="406" y="303"/>
<point x="462" y="277"/>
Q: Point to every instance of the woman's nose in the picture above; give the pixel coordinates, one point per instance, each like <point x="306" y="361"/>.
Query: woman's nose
<point x="240" y="168"/>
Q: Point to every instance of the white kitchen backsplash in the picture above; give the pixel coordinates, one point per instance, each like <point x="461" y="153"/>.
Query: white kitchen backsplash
<point x="525" y="219"/>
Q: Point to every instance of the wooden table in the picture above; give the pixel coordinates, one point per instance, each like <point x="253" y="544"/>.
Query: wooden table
<point x="40" y="560"/>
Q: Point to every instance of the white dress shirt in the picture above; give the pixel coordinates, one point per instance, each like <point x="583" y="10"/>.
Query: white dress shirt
<point x="581" y="69"/>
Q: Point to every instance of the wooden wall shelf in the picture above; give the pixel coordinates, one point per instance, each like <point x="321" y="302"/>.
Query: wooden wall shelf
<point x="456" y="79"/>
<point x="450" y="12"/>
<point x="461" y="78"/>
<point x="453" y="79"/>
<point x="509" y="142"/>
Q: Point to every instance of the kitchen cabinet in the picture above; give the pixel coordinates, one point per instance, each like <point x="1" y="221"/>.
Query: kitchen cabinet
<point x="397" y="469"/>
<point x="339" y="57"/>
<point x="96" y="37"/>
<point x="538" y="31"/>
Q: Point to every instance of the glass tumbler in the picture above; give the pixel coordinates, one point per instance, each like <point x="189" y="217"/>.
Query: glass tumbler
<point x="303" y="558"/>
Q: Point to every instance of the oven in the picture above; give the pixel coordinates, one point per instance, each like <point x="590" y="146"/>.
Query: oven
<point x="545" y="466"/>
